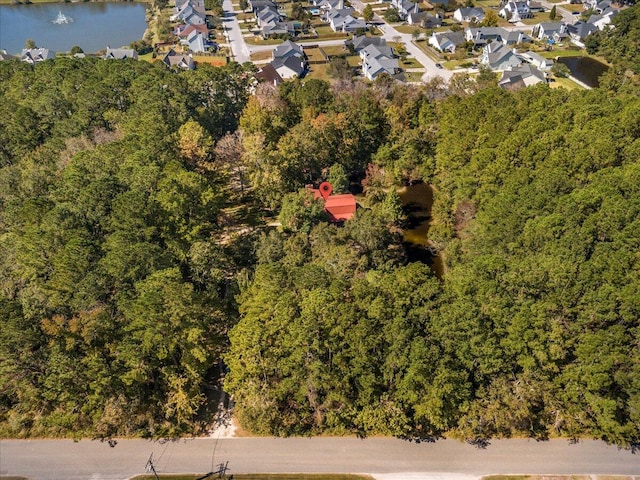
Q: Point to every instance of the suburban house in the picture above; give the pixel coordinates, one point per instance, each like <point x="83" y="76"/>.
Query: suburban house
<point x="269" y="74"/>
<point x="377" y="59"/>
<point x="4" y="56"/>
<point x="267" y="16"/>
<point x="288" y="49"/>
<point x="343" y="20"/>
<point x="446" y="41"/>
<point x="35" y="55"/>
<point x="358" y="42"/>
<point x="196" y="42"/>
<point x="178" y="60"/>
<point x="497" y="56"/>
<point x="327" y="5"/>
<point x="579" y="31"/>
<point x="516" y="36"/>
<point x="257" y="5"/>
<point x="120" y="54"/>
<point x="469" y="14"/>
<point x="405" y="7"/>
<point x="602" y="20"/>
<point x="521" y="76"/>
<point x="192" y="31"/>
<point x="424" y="19"/>
<point x="537" y="60"/>
<point x="291" y="67"/>
<point x="548" y="30"/>
<point x="598" y="6"/>
<point x="289" y="61"/>
<point x="190" y="12"/>
<point x="338" y="208"/>
<point x="515" y="11"/>
<point x="271" y="23"/>
<point x="182" y="31"/>
<point x="291" y="28"/>
<point x="484" y="35"/>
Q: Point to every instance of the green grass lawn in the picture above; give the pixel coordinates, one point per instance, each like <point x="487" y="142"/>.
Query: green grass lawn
<point x="264" y="55"/>
<point x="563" y="53"/>
<point x="413" y="76"/>
<point x="353" y="61"/>
<point x="335" y="50"/>
<point x="256" y="40"/>
<point x="411" y="63"/>
<point x="325" y="32"/>
<point x="574" y="8"/>
<point x="314" y="55"/>
<point x="319" y="72"/>
<point x="245" y="16"/>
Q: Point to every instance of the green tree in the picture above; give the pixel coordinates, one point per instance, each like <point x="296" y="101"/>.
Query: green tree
<point x="553" y="13"/>
<point x="560" y="70"/>
<point x="391" y="15"/>
<point x="490" y="19"/>
<point x="367" y="13"/>
<point x="300" y="211"/>
<point x="337" y="177"/>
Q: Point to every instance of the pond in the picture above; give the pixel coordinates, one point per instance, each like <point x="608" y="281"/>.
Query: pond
<point x="417" y="200"/>
<point x="59" y="26"/>
<point x="585" y="69"/>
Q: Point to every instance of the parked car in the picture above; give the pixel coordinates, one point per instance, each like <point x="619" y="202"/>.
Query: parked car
<point x="438" y="65"/>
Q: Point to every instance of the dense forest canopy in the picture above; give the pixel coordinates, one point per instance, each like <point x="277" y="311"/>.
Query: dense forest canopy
<point x="137" y="264"/>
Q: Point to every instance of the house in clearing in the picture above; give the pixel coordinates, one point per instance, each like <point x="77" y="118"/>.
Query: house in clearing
<point x="178" y="60"/>
<point x="337" y="207"/>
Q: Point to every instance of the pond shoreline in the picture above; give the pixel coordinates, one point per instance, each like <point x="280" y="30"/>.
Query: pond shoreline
<point x="91" y="26"/>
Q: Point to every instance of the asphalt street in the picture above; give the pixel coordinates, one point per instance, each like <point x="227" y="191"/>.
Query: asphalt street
<point x="234" y="34"/>
<point x="385" y="458"/>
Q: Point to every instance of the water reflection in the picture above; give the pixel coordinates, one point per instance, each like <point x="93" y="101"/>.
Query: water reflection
<point x="58" y="27"/>
<point x="417" y="200"/>
<point x="585" y="69"/>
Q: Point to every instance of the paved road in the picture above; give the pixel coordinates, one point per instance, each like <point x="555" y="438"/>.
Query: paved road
<point x="565" y="14"/>
<point x="391" y="35"/>
<point x="68" y="460"/>
<point x="234" y="34"/>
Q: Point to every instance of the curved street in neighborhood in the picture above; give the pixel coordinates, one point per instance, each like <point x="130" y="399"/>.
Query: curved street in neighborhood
<point x="384" y="458"/>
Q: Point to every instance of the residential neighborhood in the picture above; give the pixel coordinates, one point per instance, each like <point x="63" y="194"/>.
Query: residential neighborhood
<point x="410" y="42"/>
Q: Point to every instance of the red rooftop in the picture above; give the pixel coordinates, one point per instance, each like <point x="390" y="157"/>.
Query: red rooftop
<point x="338" y="207"/>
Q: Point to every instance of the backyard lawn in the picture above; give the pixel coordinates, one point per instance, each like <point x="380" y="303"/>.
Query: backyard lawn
<point x="257" y="40"/>
<point x="319" y="72"/>
<point x="315" y="55"/>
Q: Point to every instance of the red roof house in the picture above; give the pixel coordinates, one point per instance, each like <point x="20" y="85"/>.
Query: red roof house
<point x="338" y="207"/>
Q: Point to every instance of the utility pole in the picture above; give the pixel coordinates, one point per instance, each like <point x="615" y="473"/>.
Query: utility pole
<point x="150" y="467"/>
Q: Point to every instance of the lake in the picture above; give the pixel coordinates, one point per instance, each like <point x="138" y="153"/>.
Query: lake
<point x="585" y="69"/>
<point x="91" y="26"/>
